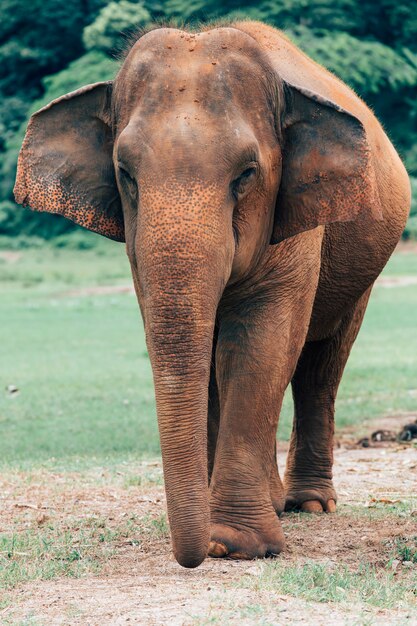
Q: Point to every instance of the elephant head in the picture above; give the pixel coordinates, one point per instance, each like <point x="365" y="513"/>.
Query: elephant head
<point x="199" y="155"/>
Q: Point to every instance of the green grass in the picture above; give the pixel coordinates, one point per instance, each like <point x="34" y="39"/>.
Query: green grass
<point x="318" y="582"/>
<point x="403" y="263"/>
<point x="80" y="362"/>
<point x="377" y="510"/>
<point x="380" y="376"/>
<point x="405" y="549"/>
<point x="45" y="554"/>
<point x="72" y="549"/>
<point x="84" y="378"/>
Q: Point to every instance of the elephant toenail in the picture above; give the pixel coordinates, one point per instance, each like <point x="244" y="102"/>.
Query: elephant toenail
<point x="240" y="556"/>
<point x="217" y="549"/>
<point x="311" y="506"/>
<point x="331" y="506"/>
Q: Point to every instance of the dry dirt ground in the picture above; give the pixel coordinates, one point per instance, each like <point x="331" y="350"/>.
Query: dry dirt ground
<point x="140" y="583"/>
<point x="104" y="290"/>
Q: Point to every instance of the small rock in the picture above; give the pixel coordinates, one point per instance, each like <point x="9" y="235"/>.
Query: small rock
<point x="408" y="564"/>
<point x="408" y="432"/>
<point x="384" y="435"/>
<point x="42" y="519"/>
<point x="395" y="565"/>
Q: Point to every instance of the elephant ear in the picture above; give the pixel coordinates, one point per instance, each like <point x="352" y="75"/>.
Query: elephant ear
<point x="327" y="170"/>
<point x="65" y="164"/>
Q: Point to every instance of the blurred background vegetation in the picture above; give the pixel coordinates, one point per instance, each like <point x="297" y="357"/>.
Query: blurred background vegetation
<point x="50" y="47"/>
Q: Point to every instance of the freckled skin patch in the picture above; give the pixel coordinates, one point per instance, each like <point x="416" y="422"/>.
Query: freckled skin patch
<point x="205" y="149"/>
<point x="55" y="172"/>
<point x="54" y="197"/>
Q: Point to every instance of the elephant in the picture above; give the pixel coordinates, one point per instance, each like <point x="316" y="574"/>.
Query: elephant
<point x="259" y="199"/>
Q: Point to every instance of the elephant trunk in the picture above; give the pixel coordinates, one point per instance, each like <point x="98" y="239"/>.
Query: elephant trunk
<point x="182" y="269"/>
<point x="180" y="364"/>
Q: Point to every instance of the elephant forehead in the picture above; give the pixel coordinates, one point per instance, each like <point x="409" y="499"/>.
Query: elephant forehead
<point x="169" y="64"/>
<point x="170" y="43"/>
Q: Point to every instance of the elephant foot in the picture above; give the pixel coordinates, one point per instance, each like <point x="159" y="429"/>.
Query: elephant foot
<point x="245" y="543"/>
<point x="317" y="500"/>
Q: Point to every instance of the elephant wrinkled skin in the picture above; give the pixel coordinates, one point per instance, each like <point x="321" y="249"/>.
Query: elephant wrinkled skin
<point x="259" y="199"/>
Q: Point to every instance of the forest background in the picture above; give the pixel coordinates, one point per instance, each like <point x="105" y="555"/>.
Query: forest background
<point x="50" y="47"/>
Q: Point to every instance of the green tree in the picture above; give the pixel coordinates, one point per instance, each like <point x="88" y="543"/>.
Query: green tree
<point x="369" y="67"/>
<point x="36" y="38"/>
<point x="115" y="21"/>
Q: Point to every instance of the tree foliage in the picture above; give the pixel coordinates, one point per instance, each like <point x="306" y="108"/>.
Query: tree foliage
<point x="37" y="38"/>
<point x="370" y="67"/>
<point x="115" y="20"/>
<point x="49" y="47"/>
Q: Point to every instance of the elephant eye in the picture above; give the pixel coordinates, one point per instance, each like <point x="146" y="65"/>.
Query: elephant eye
<point x="241" y="184"/>
<point x="125" y="174"/>
<point x="127" y="179"/>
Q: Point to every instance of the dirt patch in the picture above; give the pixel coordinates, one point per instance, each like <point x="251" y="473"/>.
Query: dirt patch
<point x="142" y="584"/>
<point x="406" y="247"/>
<point x="383" y="281"/>
<point x="10" y="256"/>
<point x="394" y="423"/>
<point x="159" y="593"/>
<point x="396" y="281"/>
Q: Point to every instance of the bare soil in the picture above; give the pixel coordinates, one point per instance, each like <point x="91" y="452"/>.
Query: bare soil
<point x="142" y="584"/>
<point x="396" y="281"/>
<point x="10" y="256"/>
<point x="403" y="247"/>
<point x="383" y="281"/>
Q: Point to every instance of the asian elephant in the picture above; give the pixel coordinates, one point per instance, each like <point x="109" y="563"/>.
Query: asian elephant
<point x="259" y="199"/>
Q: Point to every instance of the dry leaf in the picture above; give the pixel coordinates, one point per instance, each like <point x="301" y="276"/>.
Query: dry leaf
<point x="374" y="501"/>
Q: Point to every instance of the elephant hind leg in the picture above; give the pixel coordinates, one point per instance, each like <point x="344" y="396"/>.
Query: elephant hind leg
<point x="308" y="477"/>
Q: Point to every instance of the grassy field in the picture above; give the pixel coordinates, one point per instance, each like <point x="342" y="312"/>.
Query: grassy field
<point x="80" y="364"/>
<point x="81" y="488"/>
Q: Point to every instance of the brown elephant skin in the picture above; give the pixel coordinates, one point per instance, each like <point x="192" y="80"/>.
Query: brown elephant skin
<point x="259" y="199"/>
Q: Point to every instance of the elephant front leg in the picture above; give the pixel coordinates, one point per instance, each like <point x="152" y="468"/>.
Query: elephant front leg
<point x="253" y="367"/>
<point x="244" y="522"/>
